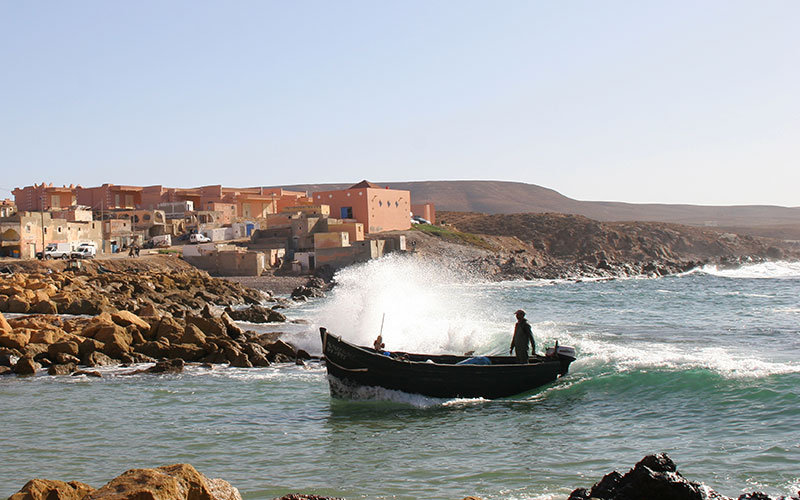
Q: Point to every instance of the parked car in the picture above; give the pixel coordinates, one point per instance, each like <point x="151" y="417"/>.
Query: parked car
<point x="199" y="238"/>
<point x="55" y="251"/>
<point x="84" y="251"/>
<point x="416" y="219"/>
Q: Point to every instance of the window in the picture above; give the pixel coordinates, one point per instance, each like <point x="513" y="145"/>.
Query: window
<point x="59" y="229"/>
<point x="146" y="217"/>
<point x="28" y="228"/>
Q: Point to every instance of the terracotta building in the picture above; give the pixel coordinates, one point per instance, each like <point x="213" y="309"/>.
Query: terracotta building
<point x="379" y="209"/>
<point x="44" y="197"/>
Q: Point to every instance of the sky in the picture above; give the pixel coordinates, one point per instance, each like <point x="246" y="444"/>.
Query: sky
<point x="664" y="102"/>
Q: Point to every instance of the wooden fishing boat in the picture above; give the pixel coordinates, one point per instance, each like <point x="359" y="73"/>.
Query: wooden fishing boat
<point x="443" y="376"/>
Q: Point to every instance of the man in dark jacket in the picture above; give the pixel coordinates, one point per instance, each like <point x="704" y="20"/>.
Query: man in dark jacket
<point x="522" y="335"/>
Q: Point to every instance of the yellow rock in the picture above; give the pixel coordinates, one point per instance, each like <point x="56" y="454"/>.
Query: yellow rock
<point x="15" y="340"/>
<point x="4" y="326"/>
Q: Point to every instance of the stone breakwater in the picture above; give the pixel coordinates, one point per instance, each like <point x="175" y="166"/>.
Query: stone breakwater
<point x="655" y="477"/>
<point x="133" y="317"/>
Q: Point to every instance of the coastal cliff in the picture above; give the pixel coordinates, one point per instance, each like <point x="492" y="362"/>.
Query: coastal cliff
<point x="528" y="246"/>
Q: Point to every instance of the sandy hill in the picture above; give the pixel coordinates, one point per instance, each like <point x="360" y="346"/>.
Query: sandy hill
<point x="499" y="197"/>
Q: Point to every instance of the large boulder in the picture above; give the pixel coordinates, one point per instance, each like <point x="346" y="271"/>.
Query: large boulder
<point x="172" y="482"/>
<point x="45" y="489"/>
<point x="61" y="369"/>
<point x="155" y="349"/>
<point x="96" y="358"/>
<point x="257" y="355"/>
<point x="193" y="335"/>
<point x="186" y="352"/>
<point x="15" y="340"/>
<point x="26" y="366"/>
<point x="282" y="348"/>
<point x="17" y="304"/>
<point x="170" y="329"/>
<point x="112" y="332"/>
<point x="655" y="477"/>
<point x="46" y="306"/>
<point x="208" y="325"/>
<point x="125" y="318"/>
<point x="46" y="336"/>
<point x="68" y="347"/>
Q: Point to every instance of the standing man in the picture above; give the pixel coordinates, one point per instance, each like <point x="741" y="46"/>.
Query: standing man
<point x="522" y="335"/>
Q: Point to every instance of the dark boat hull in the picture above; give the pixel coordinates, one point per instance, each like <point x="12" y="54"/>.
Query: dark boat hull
<point x="431" y="375"/>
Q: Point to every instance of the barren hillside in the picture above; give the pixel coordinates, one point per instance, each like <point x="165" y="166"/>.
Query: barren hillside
<point x="496" y="197"/>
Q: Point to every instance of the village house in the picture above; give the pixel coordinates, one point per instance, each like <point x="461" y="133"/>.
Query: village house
<point x="25" y="233"/>
<point x="378" y="209"/>
<point x="44" y="197"/>
<point x="7" y="208"/>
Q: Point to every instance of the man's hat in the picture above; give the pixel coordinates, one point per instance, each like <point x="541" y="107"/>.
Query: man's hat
<point x="520" y="311"/>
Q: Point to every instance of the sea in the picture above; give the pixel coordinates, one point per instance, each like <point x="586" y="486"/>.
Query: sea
<point x="704" y="366"/>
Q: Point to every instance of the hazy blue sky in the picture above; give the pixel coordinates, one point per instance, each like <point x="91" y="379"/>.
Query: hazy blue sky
<point x="674" y="101"/>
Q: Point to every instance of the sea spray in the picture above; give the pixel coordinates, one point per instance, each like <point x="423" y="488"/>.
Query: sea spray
<point x="426" y="306"/>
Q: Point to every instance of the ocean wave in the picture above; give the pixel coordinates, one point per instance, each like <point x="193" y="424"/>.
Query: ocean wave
<point x="598" y="356"/>
<point x="772" y="269"/>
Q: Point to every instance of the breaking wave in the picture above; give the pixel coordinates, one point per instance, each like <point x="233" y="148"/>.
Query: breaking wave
<point x="776" y="269"/>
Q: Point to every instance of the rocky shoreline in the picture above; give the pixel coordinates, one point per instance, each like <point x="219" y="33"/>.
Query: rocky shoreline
<point x="655" y="477"/>
<point x="169" y="316"/>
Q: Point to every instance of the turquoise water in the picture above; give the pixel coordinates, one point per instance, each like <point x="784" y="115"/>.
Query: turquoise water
<point x="702" y="366"/>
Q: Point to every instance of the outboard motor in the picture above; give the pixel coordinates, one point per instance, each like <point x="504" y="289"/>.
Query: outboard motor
<point x="564" y="353"/>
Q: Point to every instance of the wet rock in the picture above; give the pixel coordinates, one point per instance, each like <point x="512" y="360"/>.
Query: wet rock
<point x="240" y="360"/>
<point x="186" y="352"/>
<point x="63" y="358"/>
<point x="281" y="347"/>
<point x="66" y="347"/>
<point x="170" y="366"/>
<point x="5" y="370"/>
<point x="26" y="366"/>
<point x="87" y="373"/>
<point x="61" y="369"/>
<point x="655" y="477"/>
<point x="96" y="358"/>
<point x="257" y="355"/>
<point x="88" y="346"/>
<point x="156" y="349"/>
<point x="45" y="489"/>
<point x="8" y="357"/>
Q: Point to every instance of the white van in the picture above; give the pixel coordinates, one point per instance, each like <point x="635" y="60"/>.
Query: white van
<point x="84" y="251"/>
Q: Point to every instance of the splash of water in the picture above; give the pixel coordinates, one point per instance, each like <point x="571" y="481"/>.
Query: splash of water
<point x="422" y="305"/>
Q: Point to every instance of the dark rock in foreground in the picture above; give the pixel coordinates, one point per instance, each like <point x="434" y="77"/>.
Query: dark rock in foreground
<point x="655" y="477"/>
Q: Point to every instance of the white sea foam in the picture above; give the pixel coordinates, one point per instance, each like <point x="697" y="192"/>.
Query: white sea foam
<point x="427" y="308"/>
<point x="776" y="269"/>
<point x="597" y="354"/>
